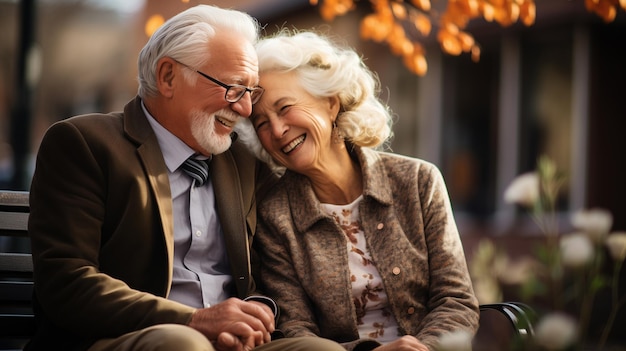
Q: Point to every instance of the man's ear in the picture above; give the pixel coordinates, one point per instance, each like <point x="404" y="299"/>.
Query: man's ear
<point x="165" y="73"/>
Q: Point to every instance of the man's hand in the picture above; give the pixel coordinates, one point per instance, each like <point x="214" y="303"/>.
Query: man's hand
<point x="229" y="342"/>
<point x="235" y="325"/>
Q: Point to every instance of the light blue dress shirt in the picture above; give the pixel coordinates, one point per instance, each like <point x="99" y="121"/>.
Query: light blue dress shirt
<point x="201" y="270"/>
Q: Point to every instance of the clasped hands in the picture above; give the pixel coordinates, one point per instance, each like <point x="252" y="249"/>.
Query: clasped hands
<point x="235" y="325"/>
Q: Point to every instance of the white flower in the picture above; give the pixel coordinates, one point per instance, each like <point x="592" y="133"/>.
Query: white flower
<point x="523" y="190"/>
<point x="459" y="340"/>
<point x="594" y="222"/>
<point x="616" y="243"/>
<point x="556" y="331"/>
<point x="487" y="290"/>
<point x="519" y="271"/>
<point x="576" y="250"/>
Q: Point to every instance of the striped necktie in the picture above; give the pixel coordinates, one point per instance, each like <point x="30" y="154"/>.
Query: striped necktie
<point x="196" y="169"/>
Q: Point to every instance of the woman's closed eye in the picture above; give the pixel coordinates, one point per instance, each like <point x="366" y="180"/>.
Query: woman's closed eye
<point x="284" y="108"/>
<point x="259" y="122"/>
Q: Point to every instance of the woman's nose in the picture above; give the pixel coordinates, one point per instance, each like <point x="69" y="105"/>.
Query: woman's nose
<point x="279" y="128"/>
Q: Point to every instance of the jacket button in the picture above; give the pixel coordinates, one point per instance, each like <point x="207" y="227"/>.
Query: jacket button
<point x="380" y="226"/>
<point x="411" y="310"/>
<point x="396" y="270"/>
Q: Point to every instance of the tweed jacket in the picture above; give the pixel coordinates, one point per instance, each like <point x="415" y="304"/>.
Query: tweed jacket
<point x="101" y="228"/>
<point x="413" y="240"/>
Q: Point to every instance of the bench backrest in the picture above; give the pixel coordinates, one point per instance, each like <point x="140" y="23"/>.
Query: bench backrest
<point x="16" y="270"/>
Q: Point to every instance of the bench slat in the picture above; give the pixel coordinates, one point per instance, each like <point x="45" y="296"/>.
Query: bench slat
<point x="17" y="325"/>
<point x="16" y="292"/>
<point x="15" y="262"/>
<point x="14" y="198"/>
<point x="13" y="223"/>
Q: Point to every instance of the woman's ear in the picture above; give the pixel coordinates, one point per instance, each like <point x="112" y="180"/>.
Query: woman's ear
<point x="165" y="73"/>
<point x="335" y="106"/>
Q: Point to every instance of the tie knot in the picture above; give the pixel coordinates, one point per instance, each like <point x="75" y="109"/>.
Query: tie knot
<point x="197" y="169"/>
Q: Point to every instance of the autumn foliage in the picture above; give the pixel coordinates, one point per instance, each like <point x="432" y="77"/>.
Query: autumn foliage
<point x="399" y="23"/>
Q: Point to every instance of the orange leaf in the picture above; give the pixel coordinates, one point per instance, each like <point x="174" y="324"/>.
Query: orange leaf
<point x="398" y="10"/>
<point x="422" y="4"/>
<point x="454" y="13"/>
<point x="422" y="23"/>
<point x="416" y="64"/>
<point x="469" y="7"/>
<point x="606" y="11"/>
<point x="488" y="12"/>
<point x="449" y="43"/>
<point x="513" y="11"/>
<point x="327" y="13"/>
<point x="590" y="4"/>
<point x="528" y="12"/>
<point x="466" y="40"/>
<point x="376" y="28"/>
<point x="475" y="52"/>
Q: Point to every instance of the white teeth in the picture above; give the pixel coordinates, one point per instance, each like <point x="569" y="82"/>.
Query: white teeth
<point x="225" y="122"/>
<point x="292" y="145"/>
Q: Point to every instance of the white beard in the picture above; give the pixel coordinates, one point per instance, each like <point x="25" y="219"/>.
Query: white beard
<point x="203" y="130"/>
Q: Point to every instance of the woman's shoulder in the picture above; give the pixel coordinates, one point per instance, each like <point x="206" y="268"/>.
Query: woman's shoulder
<point x="396" y="161"/>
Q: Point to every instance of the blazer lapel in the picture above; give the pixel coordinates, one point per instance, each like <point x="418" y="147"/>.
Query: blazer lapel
<point x="138" y="129"/>
<point x="228" y="196"/>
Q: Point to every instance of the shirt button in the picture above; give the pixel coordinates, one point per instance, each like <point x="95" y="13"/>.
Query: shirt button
<point x="396" y="270"/>
<point x="380" y="226"/>
<point x="207" y="305"/>
<point x="198" y="233"/>
<point x="411" y="310"/>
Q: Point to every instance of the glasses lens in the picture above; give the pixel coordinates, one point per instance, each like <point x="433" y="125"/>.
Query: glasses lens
<point x="255" y="94"/>
<point x="234" y="93"/>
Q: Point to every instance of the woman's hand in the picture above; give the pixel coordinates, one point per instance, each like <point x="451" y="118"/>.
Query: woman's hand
<point x="405" y="343"/>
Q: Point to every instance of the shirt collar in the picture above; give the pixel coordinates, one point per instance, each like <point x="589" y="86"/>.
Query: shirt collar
<point x="174" y="150"/>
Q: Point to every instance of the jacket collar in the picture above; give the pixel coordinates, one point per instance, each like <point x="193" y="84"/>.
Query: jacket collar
<point x="304" y="205"/>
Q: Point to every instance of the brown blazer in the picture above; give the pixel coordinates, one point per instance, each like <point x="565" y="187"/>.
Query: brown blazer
<point x="410" y="232"/>
<point x="102" y="231"/>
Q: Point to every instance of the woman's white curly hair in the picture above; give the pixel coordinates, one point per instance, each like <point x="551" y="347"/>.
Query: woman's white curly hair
<point x="325" y="69"/>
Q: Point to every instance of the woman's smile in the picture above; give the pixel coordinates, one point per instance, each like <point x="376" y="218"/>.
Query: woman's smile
<point x="294" y="144"/>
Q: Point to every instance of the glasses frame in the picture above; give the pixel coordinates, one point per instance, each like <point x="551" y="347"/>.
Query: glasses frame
<point x="253" y="98"/>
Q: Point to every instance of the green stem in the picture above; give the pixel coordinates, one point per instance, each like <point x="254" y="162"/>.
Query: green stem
<point x="585" y="313"/>
<point x="616" y="305"/>
<point x="588" y="297"/>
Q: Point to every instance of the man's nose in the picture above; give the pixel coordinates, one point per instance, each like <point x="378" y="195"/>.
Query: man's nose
<point x="243" y="107"/>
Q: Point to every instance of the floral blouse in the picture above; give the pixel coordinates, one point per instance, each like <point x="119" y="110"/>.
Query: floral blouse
<point x="374" y="319"/>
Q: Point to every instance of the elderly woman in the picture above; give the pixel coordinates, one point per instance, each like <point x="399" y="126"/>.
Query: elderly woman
<point x="358" y="246"/>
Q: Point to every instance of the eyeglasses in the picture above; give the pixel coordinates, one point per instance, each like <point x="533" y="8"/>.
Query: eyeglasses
<point x="234" y="92"/>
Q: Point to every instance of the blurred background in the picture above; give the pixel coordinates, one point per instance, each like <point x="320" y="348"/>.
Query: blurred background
<point x="556" y="88"/>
